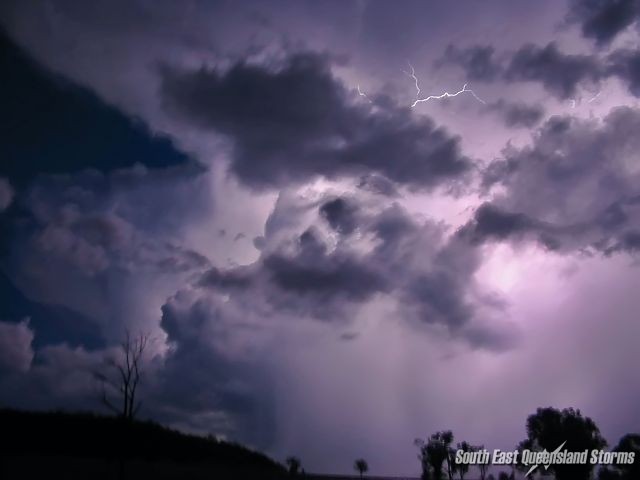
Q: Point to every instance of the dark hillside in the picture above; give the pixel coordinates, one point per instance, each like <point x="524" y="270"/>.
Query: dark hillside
<point x="63" y="445"/>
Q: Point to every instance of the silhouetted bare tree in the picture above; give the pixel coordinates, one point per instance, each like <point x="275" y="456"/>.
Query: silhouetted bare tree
<point x="125" y="379"/>
<point x="361" y="466"/>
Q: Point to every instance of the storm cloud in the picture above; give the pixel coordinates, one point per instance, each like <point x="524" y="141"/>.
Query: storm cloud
<point x="6" y="194"/>
<point x="53" y="125"/>
<point x="323" y="270"/>
<point x="517" y="114"/>
<point x="478" y="62"/>
<point x="602" y="211"/>
<point x="293" y="121"/>
<point x="625" y="64"/>
<point x="601" y="20"/>
<point x="559" y="73"/>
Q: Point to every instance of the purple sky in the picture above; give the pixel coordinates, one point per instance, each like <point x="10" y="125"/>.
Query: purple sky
<point x="325" y="270"/>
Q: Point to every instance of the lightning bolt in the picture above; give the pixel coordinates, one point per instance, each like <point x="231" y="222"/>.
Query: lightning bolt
<point x="415" y="79"/>
<point x="575" y="102"/>
<point x="596" y="96"/>
<point x="362" y="94"/>
<point x="547" y="465"/>
<point x="418" y="100"/>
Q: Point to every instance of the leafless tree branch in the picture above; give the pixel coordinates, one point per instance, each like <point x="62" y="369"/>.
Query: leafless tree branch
<point x="128" y="373"/>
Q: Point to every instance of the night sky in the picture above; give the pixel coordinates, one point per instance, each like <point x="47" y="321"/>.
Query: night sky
<point x="343" y="224"/>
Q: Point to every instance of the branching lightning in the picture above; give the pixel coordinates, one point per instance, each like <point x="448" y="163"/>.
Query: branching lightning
<point x="415" y="79"/>
<point x="362" y="94"/>
<point x="418" y="100"/>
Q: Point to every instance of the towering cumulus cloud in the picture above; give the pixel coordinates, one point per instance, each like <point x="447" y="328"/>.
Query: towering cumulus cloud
<point x="324" y="265"/>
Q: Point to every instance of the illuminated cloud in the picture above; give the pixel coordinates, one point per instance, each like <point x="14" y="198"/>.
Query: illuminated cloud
<point x="323" y="275"/>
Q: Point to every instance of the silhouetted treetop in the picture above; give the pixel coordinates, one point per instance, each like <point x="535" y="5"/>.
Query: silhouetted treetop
<point x="548" y="428"/>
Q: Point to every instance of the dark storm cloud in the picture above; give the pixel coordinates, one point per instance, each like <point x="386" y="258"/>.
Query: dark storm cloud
<point x="310" y="269"/>
<point x="202" y="384"/>
<point x="202" y="379"/>
<point x="308" y="281"/>
<point x="575" y="187"/>
<point x="558" y="72"/>
<point x="436" y="295"/>
<point x="6" y="194"/>
<point x="51" y="125"/>
<point x="478" y="62"/>
<point x="378" y="184"/>
<point x="321" y="276"/>
<point x="492" y="222"/>
<point x="603" y="20"/>
<point x="628" y="241"/>
<point x="50" y="377"/>
<point x="626" y="65"/>
<point x="367" y="269"/>
<point x="49" y="324"/>
<point x="340" y="214"/>
<point x="238" y="278"/>
<point x="78" y="247"/>
<point x="517" y="114"/>
<point x="94" y="221"/>
<point x="294" y="121"/>
<point x="298" y="275"/>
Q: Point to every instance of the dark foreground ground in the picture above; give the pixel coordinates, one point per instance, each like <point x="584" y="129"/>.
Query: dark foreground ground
<point x="355" y="477"/>
<point x="84" y="446"/>
<point x="37" y="467"/>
